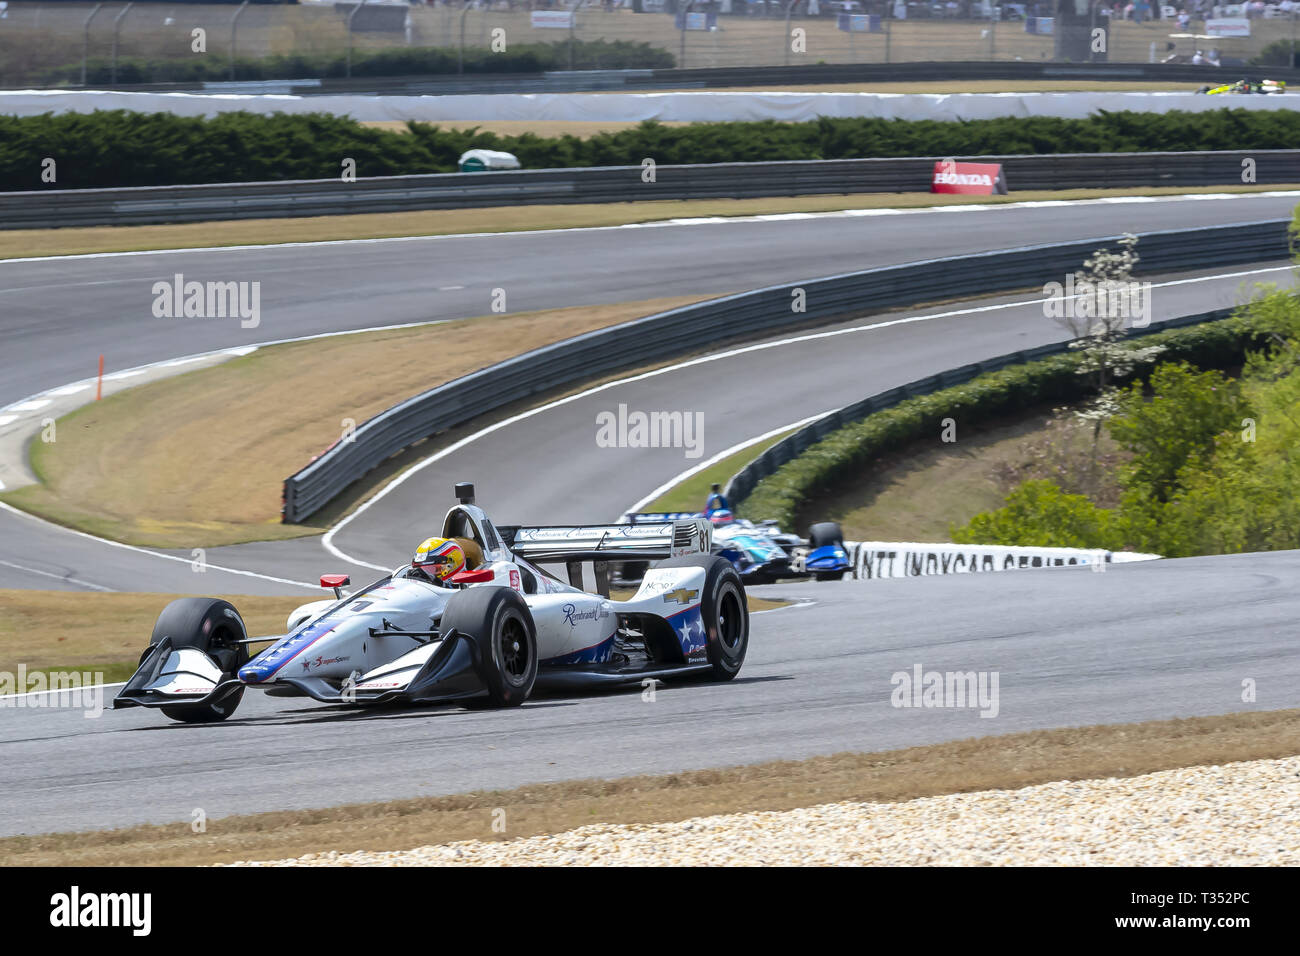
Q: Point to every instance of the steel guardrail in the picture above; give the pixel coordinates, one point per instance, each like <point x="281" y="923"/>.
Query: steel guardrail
<point x="636" y="80"/>
<point x="746" y="315"/>
<point x="139" y="205"/>
<point x="743" y="482"/>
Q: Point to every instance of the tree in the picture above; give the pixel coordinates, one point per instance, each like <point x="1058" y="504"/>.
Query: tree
<point x="1099" y="332"/>
<point x="1177" y="427"/>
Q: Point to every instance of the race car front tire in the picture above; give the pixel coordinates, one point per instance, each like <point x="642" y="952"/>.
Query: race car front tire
<point x="723" y="610"/>
<point x="211" y="626"/>
<point x="499" y="623"/>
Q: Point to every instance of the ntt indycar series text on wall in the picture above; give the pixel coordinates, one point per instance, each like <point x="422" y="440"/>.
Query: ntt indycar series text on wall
<point x="485" y="628"/>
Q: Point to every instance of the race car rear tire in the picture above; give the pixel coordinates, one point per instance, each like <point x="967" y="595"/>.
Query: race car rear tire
<point x="211" y="626"/>
<point x="723" y="609"/>
<point x="501" y="626"/>
<point x="825" y="533"/>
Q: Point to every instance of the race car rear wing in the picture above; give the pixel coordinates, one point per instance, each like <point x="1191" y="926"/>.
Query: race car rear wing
<point x="655" y="517"/>
<point x="649" y="541"/>
<point x="604" y="545"/>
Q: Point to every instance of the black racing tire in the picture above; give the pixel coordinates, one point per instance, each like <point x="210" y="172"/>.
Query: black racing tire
<point x="501" y="626"/>
<point x="723" y="609"/>
<point x="830" y="575"/>
<point x="212" y="626"/>
<point x="825" y="533"/>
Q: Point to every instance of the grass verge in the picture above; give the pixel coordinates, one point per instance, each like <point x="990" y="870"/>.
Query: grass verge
<point x="918" y="492"/>
<point x="104" y="632"/>
<point x="138" y="466"/>
<point x="985" y="763"/>
<point x="690" y="494"/>
<point x="845" y="453"/>
<point x="440" y="222"/>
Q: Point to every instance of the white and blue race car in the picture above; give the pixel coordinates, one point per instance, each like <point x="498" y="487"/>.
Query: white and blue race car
<point x="762" y="552"/>
<point x="488" y="634"/>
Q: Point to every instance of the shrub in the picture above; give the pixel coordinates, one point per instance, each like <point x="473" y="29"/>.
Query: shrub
<point x="1177" y="427"/>
<point x="847" y="451"/>
<point x="118" y="148"/>
<point x="1040" y="514"/>
<point x="403" y="61"/>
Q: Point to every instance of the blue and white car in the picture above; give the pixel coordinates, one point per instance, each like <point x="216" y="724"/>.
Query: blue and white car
<point x="761" y="552"/>
<point x="487" y="634"/>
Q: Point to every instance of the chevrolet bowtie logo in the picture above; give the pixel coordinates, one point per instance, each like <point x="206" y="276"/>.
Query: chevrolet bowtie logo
<point x="680" y="596"/>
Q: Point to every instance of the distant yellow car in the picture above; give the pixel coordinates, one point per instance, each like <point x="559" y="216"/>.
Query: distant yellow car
<point x="1247" y="86"/>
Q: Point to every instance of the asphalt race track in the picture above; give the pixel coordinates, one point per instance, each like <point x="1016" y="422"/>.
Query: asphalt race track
<point x="1138" y="642"/>
<point x="58" y="315"/>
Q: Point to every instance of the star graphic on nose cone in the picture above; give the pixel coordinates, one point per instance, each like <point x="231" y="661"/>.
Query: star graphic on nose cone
<point x="692" y="633"/>
<point x="697" y="631"/>
<point x="306" y="665"/>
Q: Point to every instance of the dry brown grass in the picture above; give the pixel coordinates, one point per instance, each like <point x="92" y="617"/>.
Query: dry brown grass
<point x="140" y="467"/>
<point x="915" y="494"/>
<point x="443" y="222"/>
<point x="918" y="492"/>
<point x="1007" y="762"/>
<point x="64" y="630"/>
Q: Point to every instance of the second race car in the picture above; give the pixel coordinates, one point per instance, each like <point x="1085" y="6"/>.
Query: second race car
<point x="761" y="552"/>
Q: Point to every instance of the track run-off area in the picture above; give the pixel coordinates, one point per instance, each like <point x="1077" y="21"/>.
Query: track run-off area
<point x="1135" y="643"/>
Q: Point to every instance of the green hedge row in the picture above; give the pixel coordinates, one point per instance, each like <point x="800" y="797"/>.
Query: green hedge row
<point x="845" y="453"/>
<point x="408" y="61"/>
<point x="120" y="148"/>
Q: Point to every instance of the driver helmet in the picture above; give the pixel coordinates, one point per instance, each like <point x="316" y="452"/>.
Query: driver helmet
<point x="439" y="558"/>
<point x="721" y="516"/>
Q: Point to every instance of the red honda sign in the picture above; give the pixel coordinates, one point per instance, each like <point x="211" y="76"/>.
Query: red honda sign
<point x="980" y="179"/>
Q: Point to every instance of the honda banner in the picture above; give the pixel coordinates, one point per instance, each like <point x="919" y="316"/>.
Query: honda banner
<point x="972" y="178"/>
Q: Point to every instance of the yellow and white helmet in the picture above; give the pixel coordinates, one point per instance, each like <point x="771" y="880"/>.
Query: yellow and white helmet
<point x="439" y="558"/>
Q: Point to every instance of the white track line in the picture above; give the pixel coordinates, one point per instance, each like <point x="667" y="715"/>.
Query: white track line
<point x="720" y="456"/>
<point x="672" y="223"/>
<point x="120" y="683"/>
<point x="157" y="554"/>
<point x="327" y="542"/>
<point x="784" y="607"/>
<point x="234" y="351"/>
